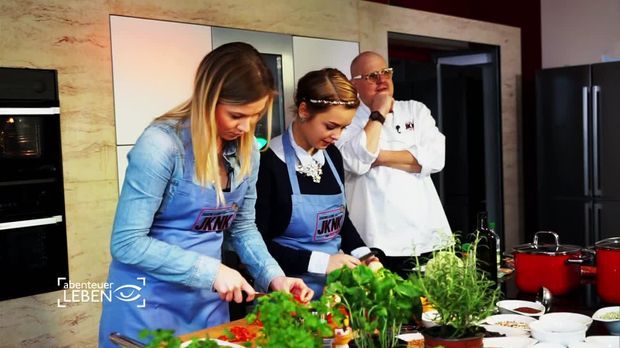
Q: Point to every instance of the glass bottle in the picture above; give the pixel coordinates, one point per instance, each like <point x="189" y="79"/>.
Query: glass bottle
<point x="486" y="252"/>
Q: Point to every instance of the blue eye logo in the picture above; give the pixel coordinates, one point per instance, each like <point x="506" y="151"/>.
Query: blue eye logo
<point x="128" y="292"/>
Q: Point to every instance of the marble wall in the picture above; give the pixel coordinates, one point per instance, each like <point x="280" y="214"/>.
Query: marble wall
<point x="74" y="38"/>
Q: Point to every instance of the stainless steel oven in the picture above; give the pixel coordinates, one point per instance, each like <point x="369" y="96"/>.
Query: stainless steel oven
<point x="33" y="242"/>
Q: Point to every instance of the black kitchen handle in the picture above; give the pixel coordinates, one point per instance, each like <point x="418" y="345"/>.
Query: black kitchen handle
<point x="585" y="258"/>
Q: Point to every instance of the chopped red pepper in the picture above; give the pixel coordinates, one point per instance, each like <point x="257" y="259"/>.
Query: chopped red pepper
<point x="237" y="334"/>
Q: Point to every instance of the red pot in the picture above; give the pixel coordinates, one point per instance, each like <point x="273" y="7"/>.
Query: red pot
<point x="548" y="265"/>
<point x="608" y="269"/>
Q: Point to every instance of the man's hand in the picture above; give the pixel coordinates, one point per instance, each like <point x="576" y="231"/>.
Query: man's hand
<point x="401" y="159"/>
<point x="336" y="261"/>
<point x="382" y="102"/>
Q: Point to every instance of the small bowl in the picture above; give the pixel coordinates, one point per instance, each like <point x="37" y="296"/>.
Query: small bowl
<point x="506" y="331"/>
<point x="509" y="324"/>
<point x="613" y="325"/>
<point x="511" y="306"/>
<point x="568" y="316"/>
<point x="558" y="332"/>
<point x="429" y="318"/>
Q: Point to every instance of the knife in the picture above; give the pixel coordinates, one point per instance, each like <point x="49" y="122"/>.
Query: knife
<point x="124" y="341"/>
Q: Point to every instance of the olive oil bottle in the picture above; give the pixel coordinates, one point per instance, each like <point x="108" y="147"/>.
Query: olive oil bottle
<point x="488" y="252"/>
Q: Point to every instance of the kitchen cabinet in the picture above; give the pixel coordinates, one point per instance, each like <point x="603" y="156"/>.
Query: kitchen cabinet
<point x="313" y="54"/>
<point x="154" y="63"/>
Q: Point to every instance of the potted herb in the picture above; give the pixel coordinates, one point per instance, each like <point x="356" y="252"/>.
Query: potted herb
<point x="378" y="303"/>
<point x="461" y="294"/>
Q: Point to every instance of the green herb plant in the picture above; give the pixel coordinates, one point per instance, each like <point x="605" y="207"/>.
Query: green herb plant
<point x="378" y="302"/>
<point x="161" y="338"/>
<point x="461" y="294"/>
<point x="289" y="323"/>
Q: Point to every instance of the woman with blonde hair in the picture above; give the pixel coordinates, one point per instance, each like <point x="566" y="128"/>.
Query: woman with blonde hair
<point x="191" y="177"/>
<point x="303" y="219"/>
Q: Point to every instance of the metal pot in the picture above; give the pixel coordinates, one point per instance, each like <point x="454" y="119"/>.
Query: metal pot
<point x="608" y="269"/>
<point x="553" y="266"/>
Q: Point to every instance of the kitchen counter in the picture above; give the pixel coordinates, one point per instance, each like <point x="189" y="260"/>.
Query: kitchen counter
<point x="583" y="300"/>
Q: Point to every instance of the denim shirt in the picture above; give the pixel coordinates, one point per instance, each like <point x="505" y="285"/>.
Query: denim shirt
<point x="154" y="163"/>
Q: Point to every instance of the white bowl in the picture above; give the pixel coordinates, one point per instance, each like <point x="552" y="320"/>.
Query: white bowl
<point x="613" y="325"/>
<point x="558" y="332"/>
<point x="567" y="316"/>
<point x="506" y="331"/>
<point x="509" y="324"/>
<point x="509" y="306"/>
<point x="604" y="341"/>
<point x="429" y="318"/>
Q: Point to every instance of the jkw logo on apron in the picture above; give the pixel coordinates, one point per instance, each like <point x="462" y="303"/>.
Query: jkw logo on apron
<point x="215" y="219"/>
<point x="328" y="224"/>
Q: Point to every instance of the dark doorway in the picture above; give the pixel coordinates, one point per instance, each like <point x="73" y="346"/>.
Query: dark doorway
<point x="459" y="83"/>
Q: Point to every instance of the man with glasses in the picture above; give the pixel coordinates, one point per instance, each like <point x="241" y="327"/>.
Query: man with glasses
<point x="389" y="152"/>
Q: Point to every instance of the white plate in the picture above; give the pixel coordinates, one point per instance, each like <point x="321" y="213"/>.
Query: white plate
<point x="549" y="345"/>
<point x="605" y="341"/>
<point x="508" y="342"/>
<point x="219" y="342"/>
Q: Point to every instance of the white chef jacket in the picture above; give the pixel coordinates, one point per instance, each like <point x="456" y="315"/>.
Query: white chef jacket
<point x="396" y="211"/>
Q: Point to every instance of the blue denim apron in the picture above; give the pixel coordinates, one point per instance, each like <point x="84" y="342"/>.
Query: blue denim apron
<point x="193" y="222"/>
<point x="316" y="220"/>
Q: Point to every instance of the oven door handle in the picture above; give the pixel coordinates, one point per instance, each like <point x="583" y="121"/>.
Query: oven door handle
<point x="30" y="223"/>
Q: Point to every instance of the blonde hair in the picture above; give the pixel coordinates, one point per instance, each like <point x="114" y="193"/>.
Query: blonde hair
<point x="231" y="74"/>
<point x="323" y="89"/>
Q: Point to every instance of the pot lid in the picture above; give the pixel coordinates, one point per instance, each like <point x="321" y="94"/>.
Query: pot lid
<point x="609" y="243"/>
<point x="548" y="249"/>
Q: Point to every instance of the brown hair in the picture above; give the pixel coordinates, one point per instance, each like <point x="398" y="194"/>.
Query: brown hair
<point x="322" y="89"/>
<point x="233" y="73"/>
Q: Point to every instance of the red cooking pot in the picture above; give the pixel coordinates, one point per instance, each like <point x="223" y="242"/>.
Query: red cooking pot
<point x="608" y="269"/>
<point x="548" y="265"/>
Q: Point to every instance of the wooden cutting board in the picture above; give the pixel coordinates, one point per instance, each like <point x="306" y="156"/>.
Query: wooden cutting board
<point x="217" y="331"/>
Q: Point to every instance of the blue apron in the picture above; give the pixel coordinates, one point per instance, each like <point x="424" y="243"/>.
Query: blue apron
<point x="316" y="220"/>
<point x="193" y="221"/>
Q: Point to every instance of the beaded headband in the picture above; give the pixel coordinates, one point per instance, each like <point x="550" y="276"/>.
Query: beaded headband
<point x="332" y="102"/>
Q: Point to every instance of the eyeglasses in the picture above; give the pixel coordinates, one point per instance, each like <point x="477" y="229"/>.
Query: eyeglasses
<point x="374" y="76"/>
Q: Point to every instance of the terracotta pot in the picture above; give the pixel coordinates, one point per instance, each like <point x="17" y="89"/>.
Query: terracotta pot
<point x="608" y="269"/>
<point x="431" y="341"/>
<point x="553" y="266"/>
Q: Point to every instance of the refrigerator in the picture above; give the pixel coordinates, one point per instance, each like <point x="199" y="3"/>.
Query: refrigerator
<point x="578" y="152"/>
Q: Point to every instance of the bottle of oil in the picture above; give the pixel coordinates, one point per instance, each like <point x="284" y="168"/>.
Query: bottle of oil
<point x="487" y="250"/>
